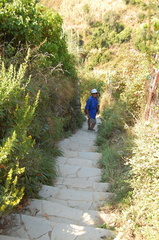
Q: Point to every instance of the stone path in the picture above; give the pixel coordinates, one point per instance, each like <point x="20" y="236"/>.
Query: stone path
<point x="69" y="210"/>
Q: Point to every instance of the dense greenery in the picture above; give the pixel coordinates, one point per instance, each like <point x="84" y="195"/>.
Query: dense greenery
<point x="103" y="42"/>
<point x="38" y="98"/>
<point x="130" y="163"/>
<point x="26" y="24"/>
<point x="143" y="214"/>
<point x="16" y="114"/>
<point x="129" y="148"/>
<point x="116" y="58"/>
<point x="115" y="142"/>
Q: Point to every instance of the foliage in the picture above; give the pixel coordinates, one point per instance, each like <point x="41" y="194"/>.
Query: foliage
<point x="115" y="143"/>
<point x="111" y="122"/>
<point x="101" y="38"/>
<point x="143" y="214"/>
<point x="86" y="8"/>
<point x="111" y="19"/>
<point x="88" y="82"/>
<point x="26" y="23"/>
<point x="125" y="35"/>
<point x="106" y="35"/>
<point x="16" y="144"/>
<point x="10" y="192"/>
<point x="128" y="84"/>
<point x="50" y="68"/>
<point x="133" y="2"/>
<point x="146" y="37"/>
<point x="141" y="16"/>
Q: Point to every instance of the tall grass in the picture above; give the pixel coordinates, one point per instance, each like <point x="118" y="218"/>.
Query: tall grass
<point x="143" y="213"/>
<point x="115" y="142"/>
<point x="130" y="160"/>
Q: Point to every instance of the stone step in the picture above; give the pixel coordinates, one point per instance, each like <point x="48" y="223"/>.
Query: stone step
<point x="82" y="162"/>
<point x="86" y="184"/>
<point x="6" y="237"/>
<point x="84" y="200"/>
<point x="28" y="227"/>
<point x="71" y="171"/>
<point x="82" y="154"/>
<point x="57" y="212"/>
<point x="80" y="137"/>
<point x="78" y="144"/>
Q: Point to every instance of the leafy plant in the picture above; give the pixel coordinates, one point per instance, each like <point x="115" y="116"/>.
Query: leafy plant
<point x="125" y="35"/>
<point x="31" y="24"/>
<point x="15" y="142"/>
<point x="115" y="143"/>
<point x="143" y="213"/>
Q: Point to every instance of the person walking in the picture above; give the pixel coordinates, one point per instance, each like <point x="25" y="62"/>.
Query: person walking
<point x="92" y="108"/>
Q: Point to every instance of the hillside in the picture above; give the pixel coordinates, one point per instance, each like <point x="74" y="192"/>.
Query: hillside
<point x="112" y="46"/>
<point x="101" y="33"/>
<point x="116" y="44"/>
<point x="75" y="12"/>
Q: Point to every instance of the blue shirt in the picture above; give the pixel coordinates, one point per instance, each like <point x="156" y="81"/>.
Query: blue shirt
<point x="92" y="106"/>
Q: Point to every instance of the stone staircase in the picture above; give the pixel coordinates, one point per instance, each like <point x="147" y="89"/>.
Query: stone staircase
<point x="69" y="210"/>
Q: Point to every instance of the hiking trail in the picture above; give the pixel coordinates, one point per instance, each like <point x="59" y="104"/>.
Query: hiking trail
<point x="69" y="210"/>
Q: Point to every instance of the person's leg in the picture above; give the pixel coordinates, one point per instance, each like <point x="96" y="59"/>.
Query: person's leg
<point x="92" y="123"/>
<point x="92" y="126"/>
<point x="89" y="124"/>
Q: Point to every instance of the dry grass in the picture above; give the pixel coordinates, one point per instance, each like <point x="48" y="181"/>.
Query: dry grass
<point x="75" y="17"/>
<point x="55" y="4"/>
<point x="73" y="11"/>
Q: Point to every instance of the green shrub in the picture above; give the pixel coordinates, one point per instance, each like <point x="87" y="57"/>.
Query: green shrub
<point x="112" y="37"/>
<point x="105" y="56"/>
<point x="111" y="19"/>
<point x="143" y="213"/>
<point x="31" y="24"/>
<point x="141" y="16"/>
<point x="11" y="192"/>
<point x="86" y="8"/>
<point x="16" y="144"/>
<point x="88" y="82"/>
<point x="145" y="41"/>
<point x="128" y="84"/>
<point x="115" y="144"/>
<point x="125" y="35"/>
<point x="111" y="122"/>
<point x="141" y="40"/>
<point x="133" y="2"/>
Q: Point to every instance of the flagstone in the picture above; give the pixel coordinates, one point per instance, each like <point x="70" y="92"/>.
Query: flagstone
<point x="69" y="210"/>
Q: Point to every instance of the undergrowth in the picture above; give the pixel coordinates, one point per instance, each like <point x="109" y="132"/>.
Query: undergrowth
<point x="115" y="142"/>
<point x="130" y="163"/>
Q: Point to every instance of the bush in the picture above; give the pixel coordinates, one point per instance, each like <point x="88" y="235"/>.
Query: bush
<point x="141" y="40"/>
<point x="115" y="144"/>
<point x="111" y="122"/>
<point x="88" y="82"/>
<point x="143" y="214"/>
<point x="31" y="24"/>
<point x="16" y="114"/>
<point x="145" y="41"/>
<point x="141" y="16"/>
<point x="125" y="35"/>
<point x="128" y="84"/>
<point x="86" y="8"/>
<point x="111" y="19"/>
<point x="133" y="2"/>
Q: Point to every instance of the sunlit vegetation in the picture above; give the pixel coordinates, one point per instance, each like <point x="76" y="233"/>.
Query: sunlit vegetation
<point x="113" y="48"/>
<point x="38" y="98"/>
